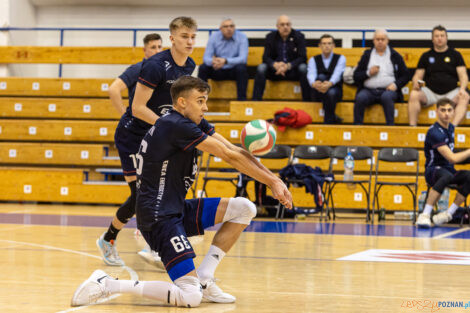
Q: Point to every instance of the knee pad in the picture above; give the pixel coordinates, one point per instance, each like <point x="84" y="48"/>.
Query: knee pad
<point x="240" y="210"/>
<point x="127" y="210"/>
<point x="189" y="293"/>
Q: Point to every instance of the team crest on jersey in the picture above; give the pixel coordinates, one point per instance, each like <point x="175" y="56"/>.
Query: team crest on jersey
<point x="447" y="59"/>
<point x="165" y="109"/>
<point x="431" y="60"/>
<point x="167" y="65"/>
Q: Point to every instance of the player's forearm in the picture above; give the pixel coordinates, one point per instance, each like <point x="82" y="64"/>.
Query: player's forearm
<point x="249" y="167"/>
<point x="251" y="158"/>
<point x="116" y="101"/>
<point x="144" y="113"/>
<point x="459" y="157"/>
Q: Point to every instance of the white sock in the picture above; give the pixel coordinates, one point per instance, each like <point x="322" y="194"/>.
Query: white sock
<point x="453" y="207"/>
<point x="428" y="209"/>
<point x="157" y="290"/>
<point x="207" y="268"/>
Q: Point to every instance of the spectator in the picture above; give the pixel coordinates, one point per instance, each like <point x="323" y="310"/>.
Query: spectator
<point x="283" y="59"/>
<point x="440" y="69"/>
<point x="325" y="72"/>
<point x="380" y="75"/>
<point x="439" y="166"/>
<point x="225" y="57"/>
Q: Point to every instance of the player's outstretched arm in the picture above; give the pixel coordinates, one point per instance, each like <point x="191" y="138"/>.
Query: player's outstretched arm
<point x="245" y="153"/>
<point x="247" y="166"/>
<point x="139" y="104"/>
<point x="114" y="92"/>
<point x="452" y="157"/>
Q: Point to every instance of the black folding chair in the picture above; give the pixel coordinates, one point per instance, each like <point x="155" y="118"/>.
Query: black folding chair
<point x="279" y="152"/>
<point x="395" y="155"/>
<point x="219" y="174"/>
<point x="360" y="154"/>
<point x="304" y="154"/>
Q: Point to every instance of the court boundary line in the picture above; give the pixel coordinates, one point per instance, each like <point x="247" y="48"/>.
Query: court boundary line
<point x="451" y="233"/>
<point x="132" y="273"/>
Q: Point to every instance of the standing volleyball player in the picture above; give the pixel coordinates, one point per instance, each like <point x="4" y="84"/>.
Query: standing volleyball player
<point x="166" y="169"/>
<point x="151" y="99"/>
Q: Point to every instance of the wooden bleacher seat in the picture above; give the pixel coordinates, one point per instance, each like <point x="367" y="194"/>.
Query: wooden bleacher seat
<point x="244" y="111"/>
<point x="68" y="185"/>
<point x="332" y="135"/>
<point x="56" y="154"/>
<point x="57" y="130"/>
<point x="130" y="55"/>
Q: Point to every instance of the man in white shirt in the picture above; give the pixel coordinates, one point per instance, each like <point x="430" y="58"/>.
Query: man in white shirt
<point x="380" y="75"/>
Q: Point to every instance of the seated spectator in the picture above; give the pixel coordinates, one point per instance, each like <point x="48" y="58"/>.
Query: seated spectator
<point x="283" y="59"/>
<point x="380" y="75"/>
<point x="225" y="57"/>
<point x="325" y="72"/>
<point x="439" y="71"/>
<point x="439" y="167"/>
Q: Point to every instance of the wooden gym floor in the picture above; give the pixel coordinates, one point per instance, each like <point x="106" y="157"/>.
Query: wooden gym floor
<point x="286" y="266"/>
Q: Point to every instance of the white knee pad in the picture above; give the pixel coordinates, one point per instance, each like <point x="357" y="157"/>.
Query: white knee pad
<point x="189" y="292"/>
<point x="240" y="210"/>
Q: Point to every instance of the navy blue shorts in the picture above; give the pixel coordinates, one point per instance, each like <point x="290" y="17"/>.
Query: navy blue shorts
<point x="169" y="235"/>
<point x="128" y="144"/>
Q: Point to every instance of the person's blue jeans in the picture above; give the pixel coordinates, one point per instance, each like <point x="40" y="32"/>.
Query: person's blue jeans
<point x="239" y="73"/>
<point x="366" y="97"/>
<point x="264" y="72"/>
<point x="329" y="100"/>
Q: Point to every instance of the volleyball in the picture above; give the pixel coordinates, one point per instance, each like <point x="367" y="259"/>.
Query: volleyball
<point x="258" y="137"/>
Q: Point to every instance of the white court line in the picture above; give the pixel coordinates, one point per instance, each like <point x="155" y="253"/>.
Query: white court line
<point x="133" y="274"/>
<point x="451" y="233"/>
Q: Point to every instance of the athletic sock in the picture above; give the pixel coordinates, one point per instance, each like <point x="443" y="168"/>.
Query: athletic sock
<point x="111" y="233"/>
<point x="207" y="268"/>
<point x="453" y="207"/>
<point x="428" y="209"/>
<point x="157" y="290"/>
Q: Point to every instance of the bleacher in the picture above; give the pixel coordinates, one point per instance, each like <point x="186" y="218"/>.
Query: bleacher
<point x="57" y="134"/>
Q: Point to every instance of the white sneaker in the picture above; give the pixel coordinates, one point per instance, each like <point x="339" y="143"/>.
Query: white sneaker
<point x="212" y="293"/>
<point x="152" y="258"/>
<point x="91" y="290"/>
<point x="108" y="252"/>
<point x="441" y="218"/>
<point x="424" y="221"/>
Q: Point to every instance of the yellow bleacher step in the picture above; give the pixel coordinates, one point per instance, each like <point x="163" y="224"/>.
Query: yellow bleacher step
<point x="55" y="153"/>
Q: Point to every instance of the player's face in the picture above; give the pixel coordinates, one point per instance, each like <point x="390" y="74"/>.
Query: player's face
<point x="380" y="42"/>
<point x="445" y="114"/>
<point x="439" y="38"/>
<point x="152" y="47"/>
<point x="227" y="28"/>
<point x="327" y="45"/>
<point x="195" y="105"/>
<point x="183" y="40"/>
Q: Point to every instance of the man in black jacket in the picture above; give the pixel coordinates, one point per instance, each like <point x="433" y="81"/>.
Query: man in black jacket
<point x="283" y="59"/>
<point x="380" y="75"/>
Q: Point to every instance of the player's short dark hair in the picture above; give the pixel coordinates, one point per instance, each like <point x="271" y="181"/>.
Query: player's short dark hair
<point x="182" y="21"/>
<point x="187" y="83"/>
<point x="439" y="28"/>
<point x="150" y="37"/>
<point x="327" y="36"/>
<point x="445" y="101"/>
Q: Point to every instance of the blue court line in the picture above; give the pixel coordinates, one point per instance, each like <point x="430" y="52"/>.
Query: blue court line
<point x="255" y="226"/>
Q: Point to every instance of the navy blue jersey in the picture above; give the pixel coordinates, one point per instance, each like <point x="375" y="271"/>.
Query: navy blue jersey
<point x="435" y="137"/>
<point x="158" y="72"/>
<point x="167" y="167"/>
<point x="129" y="77"/>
